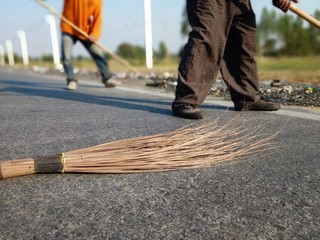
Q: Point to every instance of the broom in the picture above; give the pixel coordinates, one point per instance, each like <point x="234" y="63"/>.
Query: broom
<point x="194" y="146"/>
<point x="185" y="148"/>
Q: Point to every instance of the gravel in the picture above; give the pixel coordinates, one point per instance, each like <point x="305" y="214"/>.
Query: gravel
<point x="297" y="94"/>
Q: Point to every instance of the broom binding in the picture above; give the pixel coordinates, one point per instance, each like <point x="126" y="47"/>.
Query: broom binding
<point x="21" y="167"/>
<point x="49" y="164"/>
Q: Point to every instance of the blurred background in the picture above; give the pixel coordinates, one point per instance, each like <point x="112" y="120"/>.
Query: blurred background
<point x="288" y="47"/>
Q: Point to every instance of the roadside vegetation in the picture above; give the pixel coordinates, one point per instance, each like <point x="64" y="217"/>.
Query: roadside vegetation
<point x="288" y="49"/>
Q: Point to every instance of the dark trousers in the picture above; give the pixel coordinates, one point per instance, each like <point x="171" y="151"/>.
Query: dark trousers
<point x="223" y="38"/>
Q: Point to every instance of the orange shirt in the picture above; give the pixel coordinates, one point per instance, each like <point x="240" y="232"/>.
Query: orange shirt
<point x="85" y="14"/>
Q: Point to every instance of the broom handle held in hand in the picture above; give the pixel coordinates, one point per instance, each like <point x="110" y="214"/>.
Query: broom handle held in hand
<point x="58" y="15"/>
<point x="293" y="8"/>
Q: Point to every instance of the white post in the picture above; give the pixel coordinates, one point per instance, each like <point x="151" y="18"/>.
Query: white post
<point x="2" y="60"/>
<point x="148" y="33"/>
<point x="54" y="40"/>
<point x="10" y="52"/>
<point x="24" y="49"/>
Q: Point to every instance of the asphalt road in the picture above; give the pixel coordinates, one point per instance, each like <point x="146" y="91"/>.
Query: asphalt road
<point x="276" y="196"/>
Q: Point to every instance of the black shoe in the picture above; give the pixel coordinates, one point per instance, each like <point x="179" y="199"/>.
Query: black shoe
<point x="261" y="105"/>
<point x="187" y="110"/>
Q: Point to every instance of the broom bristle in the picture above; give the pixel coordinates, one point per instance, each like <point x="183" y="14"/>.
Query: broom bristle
<point x="189" y="147"/>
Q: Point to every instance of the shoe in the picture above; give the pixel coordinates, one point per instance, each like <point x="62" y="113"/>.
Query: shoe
<point x="72" y="85"/>
<point x="260" y="105"/>
<point x="108" y="82"/>
<point x="187" y="110"/>
<point x="106" y="78"/>
<point x="111" y="83"/>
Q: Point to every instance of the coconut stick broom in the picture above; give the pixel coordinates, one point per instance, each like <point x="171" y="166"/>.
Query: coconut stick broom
<point x="189" y="147"/>
<point x="58" y="15"/>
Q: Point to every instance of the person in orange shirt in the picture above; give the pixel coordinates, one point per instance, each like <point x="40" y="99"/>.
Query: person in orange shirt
<point x="86" y="15"/>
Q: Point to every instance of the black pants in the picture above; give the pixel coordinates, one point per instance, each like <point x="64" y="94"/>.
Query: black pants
<point x="223" y="38"/>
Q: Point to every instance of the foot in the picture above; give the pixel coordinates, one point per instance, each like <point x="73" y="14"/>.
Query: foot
<point x="72" y="85"/>
<point x="111" y="83"/>
<point x="187" y="110"/>
<point x="108" y="82"/>
<point x="261" y="105"/>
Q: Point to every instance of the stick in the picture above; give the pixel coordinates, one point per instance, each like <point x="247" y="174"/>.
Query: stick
<point x="293" y="8"/>
<point x="58" y="15"/>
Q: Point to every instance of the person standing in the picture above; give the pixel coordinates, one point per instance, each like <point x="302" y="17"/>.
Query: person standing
<point x="87" y="16"/>
<point x="223" y="38"/>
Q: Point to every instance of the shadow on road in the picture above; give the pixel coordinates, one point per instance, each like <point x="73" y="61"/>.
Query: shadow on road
<point x="54" y="91"/>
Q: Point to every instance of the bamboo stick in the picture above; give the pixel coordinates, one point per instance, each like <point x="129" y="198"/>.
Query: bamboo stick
<point x="293" y="8"/>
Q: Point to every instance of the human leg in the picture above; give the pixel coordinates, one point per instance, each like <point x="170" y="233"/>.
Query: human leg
<point x="200" y="63"/>
<point x="67" y="44"/>
<point x="101" y="62"/>
<point x="239" y="69"/>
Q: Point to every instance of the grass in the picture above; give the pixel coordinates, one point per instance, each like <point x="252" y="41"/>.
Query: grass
<point x="291" y="69"/>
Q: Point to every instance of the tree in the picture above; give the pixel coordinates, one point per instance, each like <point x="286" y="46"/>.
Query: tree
<point x="47" y="57"/>
<point x="266" y="32"/>
<point x="301" y="38"/>
<point x="128" y="51"/>
<point x="162" y="51"/>
<point x="185" y="26"/>
<point x="287" y="35"/>
<point x="314" y="35"/>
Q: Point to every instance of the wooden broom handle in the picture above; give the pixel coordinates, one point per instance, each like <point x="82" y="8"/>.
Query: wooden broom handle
<point x="293" y="8"/>
<point x="58" y="15"/>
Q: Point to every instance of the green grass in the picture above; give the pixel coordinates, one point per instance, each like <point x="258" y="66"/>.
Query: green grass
<point x="291" y="69"/>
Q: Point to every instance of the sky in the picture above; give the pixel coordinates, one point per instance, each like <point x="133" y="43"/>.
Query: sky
<point x="123" y="21"/>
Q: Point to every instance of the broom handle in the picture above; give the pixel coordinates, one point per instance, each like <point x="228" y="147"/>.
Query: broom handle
<point x="27" y="166"/>
<point x="293" y="8"/>
<point x="15" y="168"/>
<point x="57" y="14"/>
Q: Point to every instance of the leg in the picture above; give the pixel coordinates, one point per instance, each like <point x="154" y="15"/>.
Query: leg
<point x="200" y="63"/>
<point x="99" y="59"/>
<point x="67" y="44"/>
<point x="239" y="68"/>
